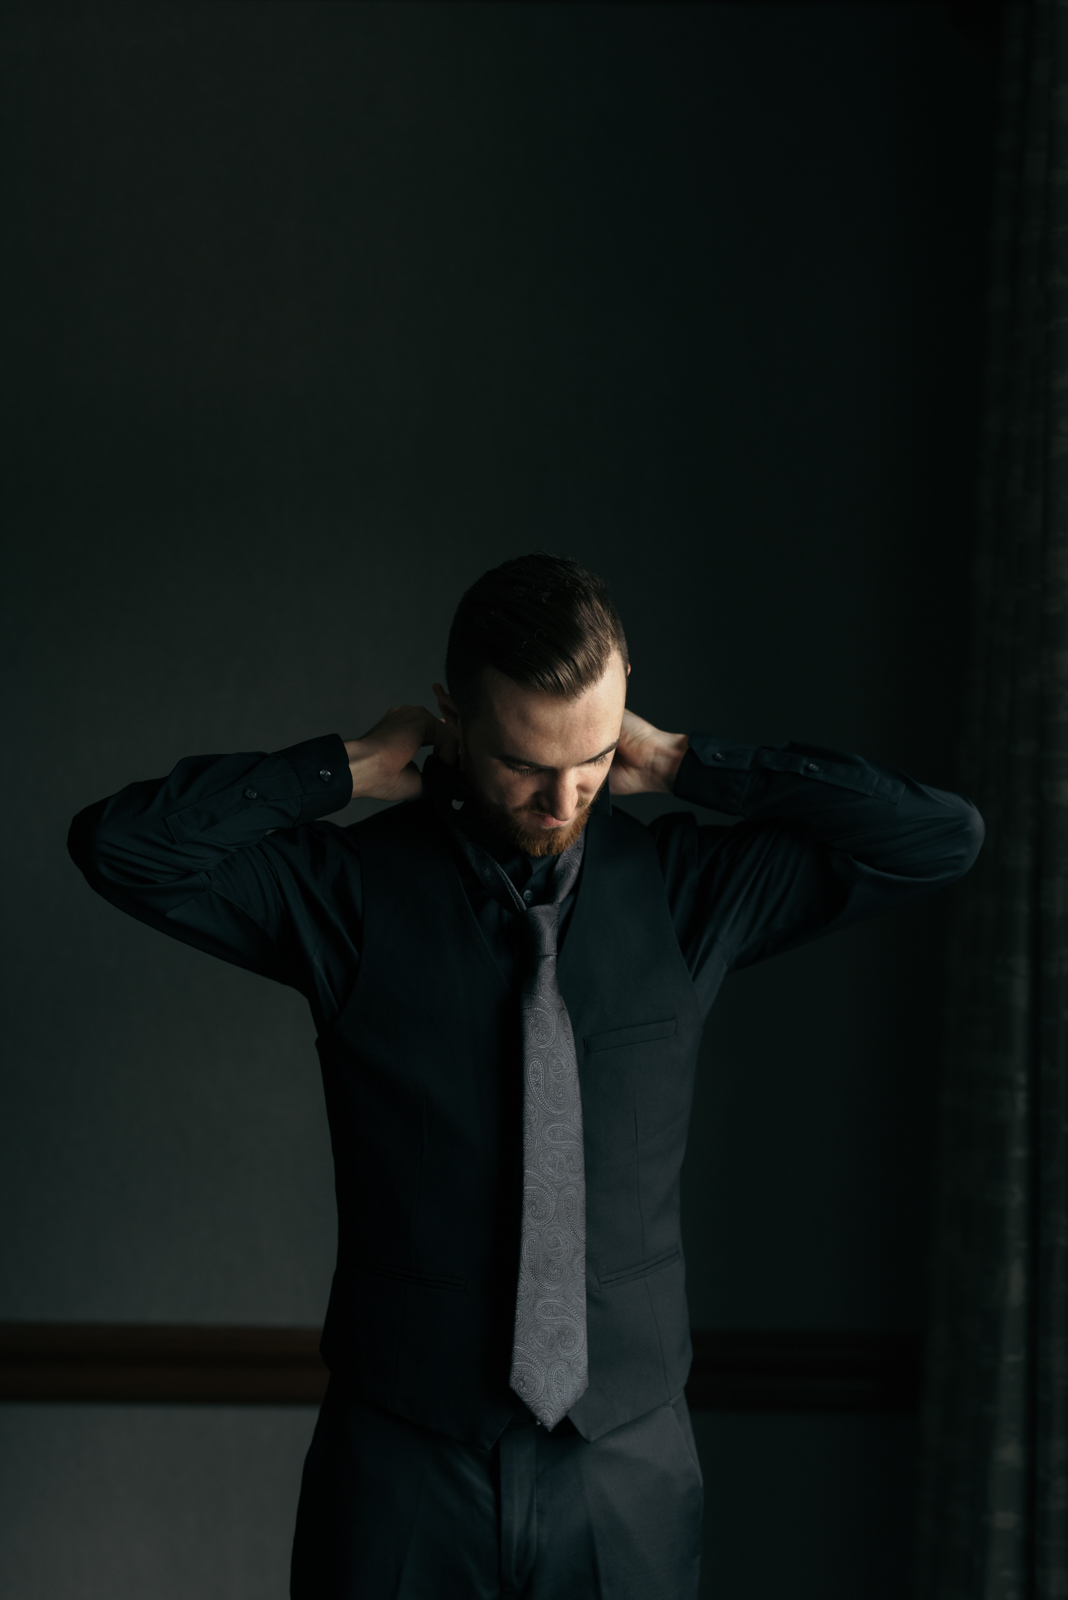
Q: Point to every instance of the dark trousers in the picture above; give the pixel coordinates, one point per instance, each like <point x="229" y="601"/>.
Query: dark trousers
<point x="392" y="1511"/>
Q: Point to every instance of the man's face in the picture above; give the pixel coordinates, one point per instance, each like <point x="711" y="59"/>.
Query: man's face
<point x="537" y="761"/>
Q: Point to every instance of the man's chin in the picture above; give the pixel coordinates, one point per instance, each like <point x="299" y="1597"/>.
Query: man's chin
<point x="534" y="841"/>
<point x="550" y="841"/>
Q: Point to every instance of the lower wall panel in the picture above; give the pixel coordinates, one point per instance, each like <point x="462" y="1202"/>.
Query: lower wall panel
<point x="807" y="1506"/>
<point x="149" y="1502"/>
<point x="103" y="1502"/>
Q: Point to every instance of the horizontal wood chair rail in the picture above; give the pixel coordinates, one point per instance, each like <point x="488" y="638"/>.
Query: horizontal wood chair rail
<point x="786" y="1369"/>
<point x="155" y="1364"/>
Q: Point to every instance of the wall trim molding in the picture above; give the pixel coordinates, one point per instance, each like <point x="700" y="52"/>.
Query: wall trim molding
<point x="802" y="1369"/>
<point x="156" y="1363"/>
<point x="734" y="1369"/>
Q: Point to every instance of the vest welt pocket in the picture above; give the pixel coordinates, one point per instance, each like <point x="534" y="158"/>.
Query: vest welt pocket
<point x="427" y="1280"/>
<point x="643" y="1269"/>
<point x="643" y="1033"/>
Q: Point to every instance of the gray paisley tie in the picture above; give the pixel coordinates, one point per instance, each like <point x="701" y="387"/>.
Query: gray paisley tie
<point x="549" y="1362"/>
<point x="549" y="1359"/>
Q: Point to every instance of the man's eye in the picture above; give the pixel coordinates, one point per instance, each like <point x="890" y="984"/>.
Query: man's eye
<point x="525" y="770"/>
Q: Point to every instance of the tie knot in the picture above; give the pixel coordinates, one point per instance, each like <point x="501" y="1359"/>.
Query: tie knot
<point x="541" y="924"/>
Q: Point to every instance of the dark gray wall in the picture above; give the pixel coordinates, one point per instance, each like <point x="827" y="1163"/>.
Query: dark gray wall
<point x="314" y="312"/>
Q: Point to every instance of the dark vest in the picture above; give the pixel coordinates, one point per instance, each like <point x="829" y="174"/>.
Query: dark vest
<point x="422" y="1074"/>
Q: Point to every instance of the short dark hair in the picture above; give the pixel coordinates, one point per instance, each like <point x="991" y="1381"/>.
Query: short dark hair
<point x="543" y="620"/>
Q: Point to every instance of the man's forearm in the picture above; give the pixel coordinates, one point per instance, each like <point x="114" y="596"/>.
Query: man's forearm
<point x="154" y="840"/>
<point x="875" y="814"/>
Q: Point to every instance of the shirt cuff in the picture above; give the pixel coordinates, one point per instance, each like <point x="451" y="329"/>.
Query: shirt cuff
<point x="322" y="770"/>
<point x="715" y="773"/>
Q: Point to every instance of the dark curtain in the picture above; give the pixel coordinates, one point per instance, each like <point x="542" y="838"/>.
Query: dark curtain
<point x="994" y="1488"/>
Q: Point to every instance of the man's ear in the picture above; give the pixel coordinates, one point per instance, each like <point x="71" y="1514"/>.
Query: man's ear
<point x="447" y="707"/>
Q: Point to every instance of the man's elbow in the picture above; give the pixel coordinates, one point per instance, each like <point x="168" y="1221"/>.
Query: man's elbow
<point x="87" y="842"/>
<point x="970" y="832"/>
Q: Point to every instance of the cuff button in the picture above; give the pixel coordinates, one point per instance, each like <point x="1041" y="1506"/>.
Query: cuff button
<point x="326" y="775"/>
<point x="812" y="766"/>
<point x="251" y="794"/>
<point x="717" y="755"/>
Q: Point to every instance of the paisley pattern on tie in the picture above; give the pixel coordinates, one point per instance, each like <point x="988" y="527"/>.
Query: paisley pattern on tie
<point x="549" y="1365"/>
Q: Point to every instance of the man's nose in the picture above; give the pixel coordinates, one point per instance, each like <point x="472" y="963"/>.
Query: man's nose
<point x="561" y="797"/>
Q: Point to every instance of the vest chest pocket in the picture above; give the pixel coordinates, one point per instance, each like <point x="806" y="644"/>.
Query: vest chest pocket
<point x="641" y="1033"/>
<point x="636" y="1085"/>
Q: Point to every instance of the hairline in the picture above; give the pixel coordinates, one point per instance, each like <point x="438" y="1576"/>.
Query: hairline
<point x="566" y="697"/>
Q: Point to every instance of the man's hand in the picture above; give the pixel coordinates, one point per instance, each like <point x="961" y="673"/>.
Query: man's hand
<point x="382" y="762"/>
<point x="646" y="760"/>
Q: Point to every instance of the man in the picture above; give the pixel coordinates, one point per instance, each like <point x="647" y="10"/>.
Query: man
<point x="509" y="979"/>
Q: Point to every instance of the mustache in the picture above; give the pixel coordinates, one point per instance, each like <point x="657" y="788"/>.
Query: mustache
<point x="530" y="839"/>
<point x="540" y="842"/>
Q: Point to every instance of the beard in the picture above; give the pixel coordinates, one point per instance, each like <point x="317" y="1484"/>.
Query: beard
<point x="509" y="827"/>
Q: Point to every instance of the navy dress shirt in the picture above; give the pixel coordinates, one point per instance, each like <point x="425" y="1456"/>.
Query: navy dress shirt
<point x="232" y="854"/>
